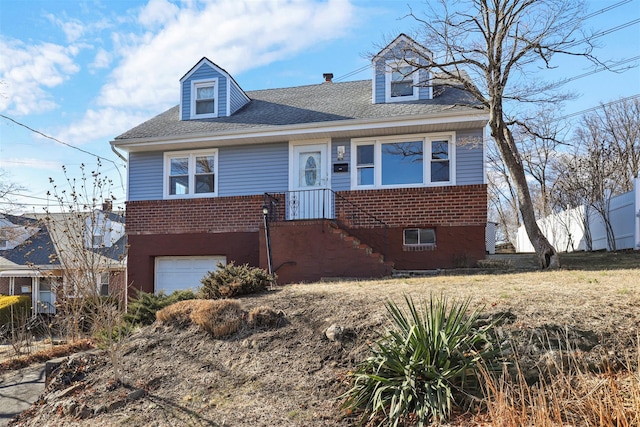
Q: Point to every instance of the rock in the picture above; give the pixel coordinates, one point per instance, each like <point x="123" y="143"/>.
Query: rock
<point x="69" y="408"/>
<point x="334" y="332"/>
<point x="116" y="405"/>
<point x="136" y="394"/>
<point x="84" y="412"/>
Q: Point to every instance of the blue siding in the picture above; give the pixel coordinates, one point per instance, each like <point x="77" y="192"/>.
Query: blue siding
<point x="205" y="72"/>
<point x="379" y="68"/>
<point x="340" y="181"/>
<point x="145" y="176"/>
<point x="469" y="157"/>
<point x="238" y="99"/>
<point x="253" y="169"/>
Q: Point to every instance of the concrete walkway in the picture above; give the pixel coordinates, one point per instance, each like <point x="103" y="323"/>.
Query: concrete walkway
<point x="19" y="389"/>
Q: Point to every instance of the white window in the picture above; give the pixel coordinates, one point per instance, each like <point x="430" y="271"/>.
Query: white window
<point x="204" y="99"/>
<point x="191" y="174"/>
<point x="103" y="284"/>
<point x="419" y="237"/>
<point x="401" y="82"/>
<point x="97" y="240"/>
<point x="403" y="161"/>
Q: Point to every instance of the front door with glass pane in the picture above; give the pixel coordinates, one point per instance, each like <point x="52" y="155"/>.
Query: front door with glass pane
<point x="310" y="197"/>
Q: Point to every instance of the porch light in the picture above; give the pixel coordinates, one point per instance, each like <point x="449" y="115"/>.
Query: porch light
<point x="265" y="210"/>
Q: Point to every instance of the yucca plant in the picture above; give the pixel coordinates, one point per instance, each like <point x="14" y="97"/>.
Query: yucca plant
<point x="415" y="370"/>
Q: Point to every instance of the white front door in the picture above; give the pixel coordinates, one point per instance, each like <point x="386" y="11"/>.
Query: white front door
<point x="310" y="197"/>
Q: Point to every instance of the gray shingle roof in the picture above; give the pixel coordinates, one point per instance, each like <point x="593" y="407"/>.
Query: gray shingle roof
<point x="325" y="102"/>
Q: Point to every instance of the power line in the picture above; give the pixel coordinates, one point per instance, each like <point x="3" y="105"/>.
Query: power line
<point x="578" y="113"/>
<point x="66" y="144"/>
<point x="591" y="15"/>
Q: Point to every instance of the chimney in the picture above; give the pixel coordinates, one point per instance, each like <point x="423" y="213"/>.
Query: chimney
<point x="328" y="77"/>
<point x="107" y="205"/>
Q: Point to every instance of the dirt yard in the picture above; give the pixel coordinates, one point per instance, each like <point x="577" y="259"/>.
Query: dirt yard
<point x="290" y="375"/>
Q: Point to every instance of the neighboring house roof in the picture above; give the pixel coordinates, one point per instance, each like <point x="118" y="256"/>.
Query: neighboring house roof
<point x="315" y="104"/>
<point x="36" y="250"/>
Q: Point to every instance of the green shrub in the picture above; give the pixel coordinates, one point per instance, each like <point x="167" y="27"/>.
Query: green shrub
<point x="232" y="280"/>
<point x="416" y="368"/>
<point x="19" y="304"/>
<point x="142" y="309"/>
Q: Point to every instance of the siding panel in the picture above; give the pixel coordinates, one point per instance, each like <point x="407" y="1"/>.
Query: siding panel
<point x="340" y="181"/>
<point x="145" y="176"/>
<point x="469" y="157"/>
<point x="253" y="169"/>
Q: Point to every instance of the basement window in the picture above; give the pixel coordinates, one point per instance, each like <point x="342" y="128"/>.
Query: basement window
<point x="419" y="238"/>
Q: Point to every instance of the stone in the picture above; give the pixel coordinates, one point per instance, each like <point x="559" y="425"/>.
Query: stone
<point x="334" y="333"/>
<point x="135" y="394"/>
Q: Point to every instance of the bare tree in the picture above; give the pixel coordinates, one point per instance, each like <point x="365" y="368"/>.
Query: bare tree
<point x="8" y="189"/>
<point x="499" y="43"/>
<point x="539" y="142"/>
<point x="503" y="201"/>
<point x="90" y="252"/>
<point x="619" y="127"/>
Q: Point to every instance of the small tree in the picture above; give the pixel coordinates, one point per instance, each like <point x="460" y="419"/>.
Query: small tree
<point x="90" y="252"/>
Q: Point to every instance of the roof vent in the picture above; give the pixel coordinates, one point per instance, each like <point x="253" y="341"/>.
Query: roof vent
<point x="328" y="77"/>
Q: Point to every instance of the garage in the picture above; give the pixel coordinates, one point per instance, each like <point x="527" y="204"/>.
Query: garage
<point x="183" y="272"/>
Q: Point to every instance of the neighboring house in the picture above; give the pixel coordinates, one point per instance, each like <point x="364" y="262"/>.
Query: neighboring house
<point x="356" y="178"/>
<point x="34" y="254"/>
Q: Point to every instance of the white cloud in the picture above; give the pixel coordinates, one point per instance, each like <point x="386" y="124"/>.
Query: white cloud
<point x="158" y="12"/>
<point x="23" y="162"/>
<point x="27" y="70"/>
<point x="238" y="35"/>
<point x="101" y="124"/>
<point x="73" y="29"/>
<point x="102" y="60"/>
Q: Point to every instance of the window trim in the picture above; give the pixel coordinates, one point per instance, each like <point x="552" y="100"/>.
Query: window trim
<point x="426" y="139"/>
<point x="419" y="245"/>
<point x="195" y="84"/>
<point x="390" y="67"/>
<point x="191" y="155"/>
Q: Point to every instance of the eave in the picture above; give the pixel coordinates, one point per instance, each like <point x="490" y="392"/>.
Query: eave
<point x="440" y="122"/>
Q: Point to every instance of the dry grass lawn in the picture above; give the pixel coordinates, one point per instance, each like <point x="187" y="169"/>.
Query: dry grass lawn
<point x="288" y="373"/>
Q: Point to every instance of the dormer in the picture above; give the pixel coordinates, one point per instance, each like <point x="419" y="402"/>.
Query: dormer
<point x="395" y="75"/>
<point x="207" y="91"/>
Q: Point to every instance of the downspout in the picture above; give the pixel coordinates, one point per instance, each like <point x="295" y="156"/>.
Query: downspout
<point x="124" y="159"/>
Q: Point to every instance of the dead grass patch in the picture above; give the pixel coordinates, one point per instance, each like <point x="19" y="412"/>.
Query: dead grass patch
<point x="218" y="317"/>
<point x="573" y="397"/>
<point x="44" y="355"/>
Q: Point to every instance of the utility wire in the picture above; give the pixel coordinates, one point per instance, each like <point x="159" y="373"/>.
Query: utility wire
<point x="66" y="144"/>
<point x="578" y="113"/>
<point x="591" y="15"/>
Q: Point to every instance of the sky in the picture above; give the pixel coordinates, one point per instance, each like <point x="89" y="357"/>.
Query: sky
<point x="84" y="72"/>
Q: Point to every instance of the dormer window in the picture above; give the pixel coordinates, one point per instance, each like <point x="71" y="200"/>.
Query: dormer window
<point x="204" y="96"/>
<point x="401" y="82"/>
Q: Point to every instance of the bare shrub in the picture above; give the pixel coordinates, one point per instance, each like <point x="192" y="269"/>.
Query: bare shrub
<point x="177" y="314"/>
<point x="218" y="317"/>
<point x="265" y="317"/>
<point x="565" y="394"/>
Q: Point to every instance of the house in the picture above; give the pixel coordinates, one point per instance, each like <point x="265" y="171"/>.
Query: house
<point x="355" y="178"/>
<point x="35" y="254"/>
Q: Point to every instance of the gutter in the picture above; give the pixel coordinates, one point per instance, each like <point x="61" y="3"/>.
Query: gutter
<point x="288" y="132"/>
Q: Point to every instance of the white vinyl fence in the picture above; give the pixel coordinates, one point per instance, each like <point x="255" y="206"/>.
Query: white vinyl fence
<point x="569" y="230"/>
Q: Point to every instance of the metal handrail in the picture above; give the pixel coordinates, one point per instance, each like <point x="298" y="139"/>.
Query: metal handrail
<point x="322" y="204"/>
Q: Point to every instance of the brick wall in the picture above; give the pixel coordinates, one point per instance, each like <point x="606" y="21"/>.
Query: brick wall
<point x="460" y="205"/>
<point x="206" y="215"/>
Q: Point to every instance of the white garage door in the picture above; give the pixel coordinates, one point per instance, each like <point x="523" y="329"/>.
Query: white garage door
<point x="183" y="272"/>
